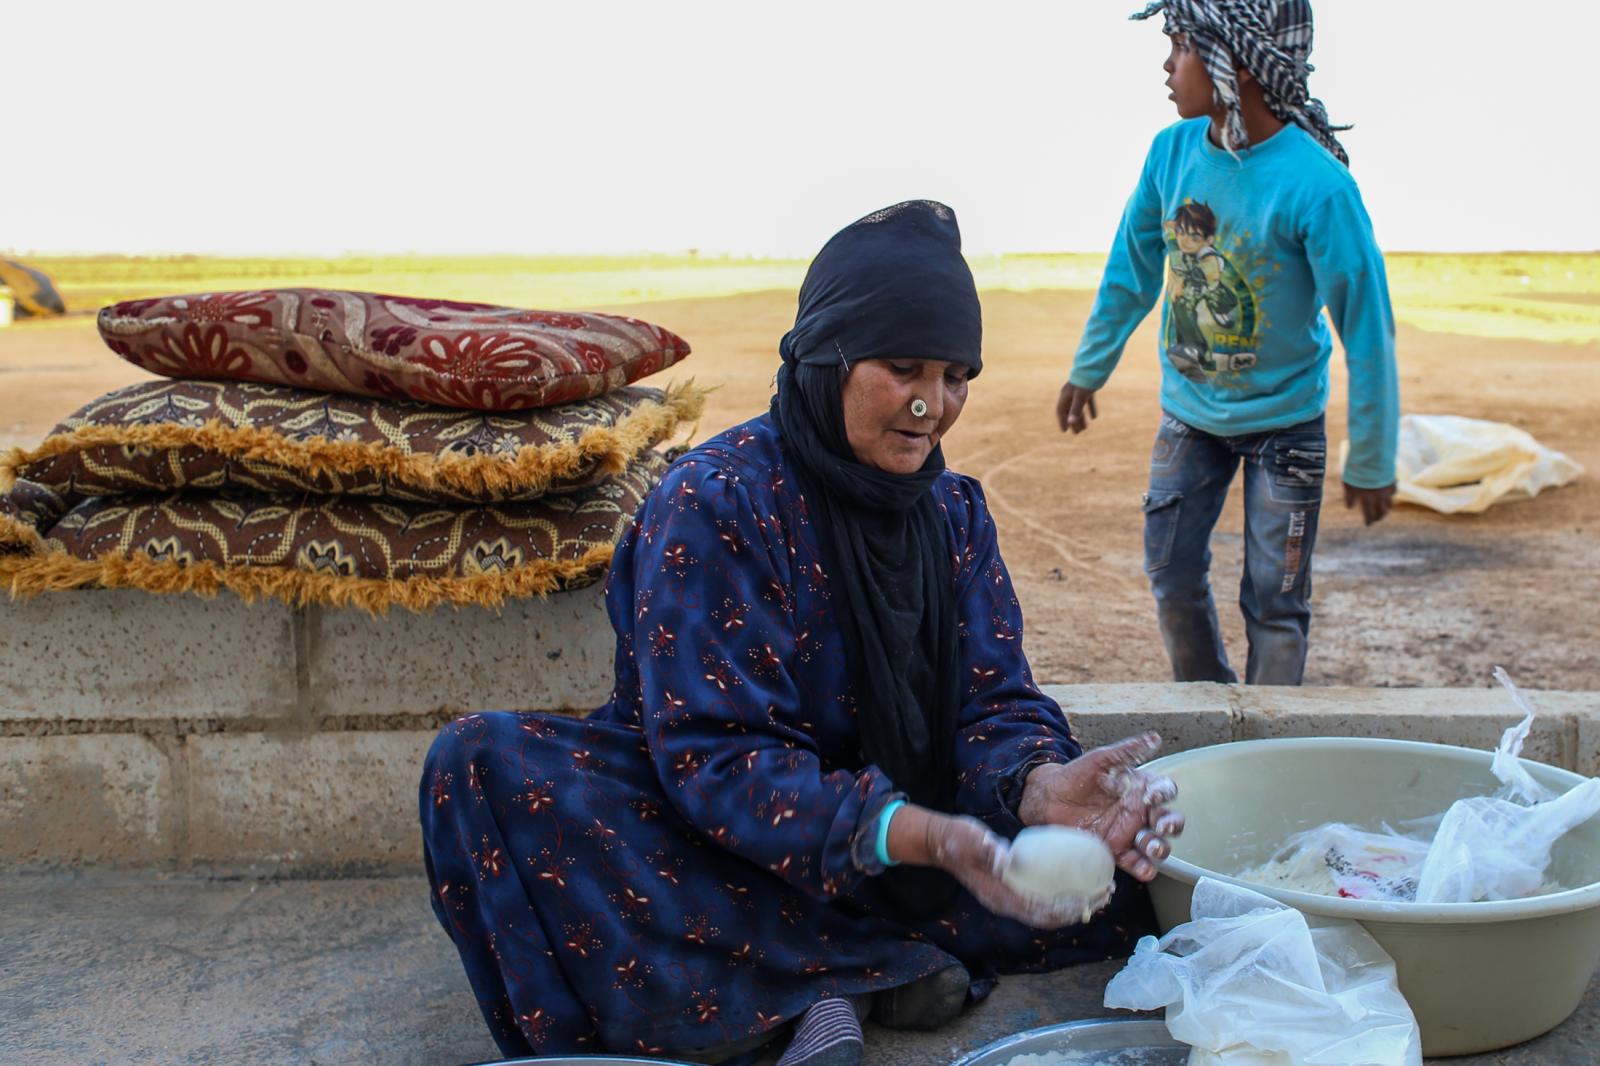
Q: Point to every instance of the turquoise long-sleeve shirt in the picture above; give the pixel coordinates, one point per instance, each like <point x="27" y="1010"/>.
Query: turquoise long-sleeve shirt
<point x="1255" y="246"/>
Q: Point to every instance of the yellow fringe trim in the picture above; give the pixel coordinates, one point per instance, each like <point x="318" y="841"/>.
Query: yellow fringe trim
<point x="56" y="571"/>
<point x="16" y="534"/>
<point x="532" y="469"/>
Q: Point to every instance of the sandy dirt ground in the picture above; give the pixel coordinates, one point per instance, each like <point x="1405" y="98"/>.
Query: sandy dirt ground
<point x="1420" y="599"/>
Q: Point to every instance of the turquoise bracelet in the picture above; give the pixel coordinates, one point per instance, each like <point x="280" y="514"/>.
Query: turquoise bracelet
<point x="883" y="830"/>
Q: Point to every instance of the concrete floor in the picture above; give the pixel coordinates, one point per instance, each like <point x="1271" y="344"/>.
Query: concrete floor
<point x="133" y="969"/>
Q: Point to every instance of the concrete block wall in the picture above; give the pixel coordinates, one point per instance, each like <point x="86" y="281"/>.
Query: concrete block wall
<point x="184" y="733"/>
<point x="180" y="732"/>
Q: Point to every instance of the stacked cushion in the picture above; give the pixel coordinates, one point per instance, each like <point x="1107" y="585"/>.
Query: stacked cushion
<point x="164" y="436"/>
<point x="365" y="344"/>
<point x="344" y="551"/>
<point x="348" y="449"/>
<point x="27" y="512"/>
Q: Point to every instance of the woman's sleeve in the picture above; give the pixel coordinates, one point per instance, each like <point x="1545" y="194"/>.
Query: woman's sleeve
<point x="717" y="648"/>
<point x="1007" y="726"/>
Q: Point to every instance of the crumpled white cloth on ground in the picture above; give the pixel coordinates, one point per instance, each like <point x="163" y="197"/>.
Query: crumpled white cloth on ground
<point x="1458" y="465"/>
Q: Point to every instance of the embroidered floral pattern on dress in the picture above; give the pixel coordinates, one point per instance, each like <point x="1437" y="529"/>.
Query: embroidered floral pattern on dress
<point x="712" y="827"/>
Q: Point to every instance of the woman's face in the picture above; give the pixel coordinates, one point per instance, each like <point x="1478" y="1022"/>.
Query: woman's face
<point x="877" y="396"/>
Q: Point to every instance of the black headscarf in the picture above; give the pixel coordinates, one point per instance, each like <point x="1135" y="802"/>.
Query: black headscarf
<point x="892" y="285"/>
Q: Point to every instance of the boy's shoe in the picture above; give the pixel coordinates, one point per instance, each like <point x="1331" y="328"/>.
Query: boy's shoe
<point x="926" y="1003"/>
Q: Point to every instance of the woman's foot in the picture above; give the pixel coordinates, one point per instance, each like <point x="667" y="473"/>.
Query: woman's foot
<point x="829" y="1034"/>
<point x="926" y="1003"/>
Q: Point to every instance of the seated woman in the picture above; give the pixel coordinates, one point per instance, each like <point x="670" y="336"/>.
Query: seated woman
<point x="795" y="806"/>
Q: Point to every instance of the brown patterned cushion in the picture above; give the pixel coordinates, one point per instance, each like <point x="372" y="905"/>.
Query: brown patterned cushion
<point x="338" y="551"/>
<point x="27" y="511"/>
<point x="203" y="436"/>
<point x="436" y="351"/>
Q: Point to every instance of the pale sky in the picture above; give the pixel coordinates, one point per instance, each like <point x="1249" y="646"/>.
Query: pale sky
<point x="747" y="127"/>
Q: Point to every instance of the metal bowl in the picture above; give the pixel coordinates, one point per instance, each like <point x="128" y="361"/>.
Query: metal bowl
<point x="1478" y="976"/>
<point x="1097" y="1042"/>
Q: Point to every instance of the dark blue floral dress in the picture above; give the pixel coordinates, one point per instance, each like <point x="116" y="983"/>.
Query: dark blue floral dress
<point x="694" y="862"/>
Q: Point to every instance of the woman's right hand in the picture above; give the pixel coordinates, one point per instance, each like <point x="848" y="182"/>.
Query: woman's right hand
<point x="1105" y="792"/>
<point x="975" y="856"/>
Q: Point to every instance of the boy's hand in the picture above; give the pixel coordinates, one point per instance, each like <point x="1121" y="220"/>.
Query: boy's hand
<point x="1071" y="406"/>
<point x="1375" y="503"/>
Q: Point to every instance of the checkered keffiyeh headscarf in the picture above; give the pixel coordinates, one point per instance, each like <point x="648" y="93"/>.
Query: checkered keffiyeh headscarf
<point x="1269" y="38"/>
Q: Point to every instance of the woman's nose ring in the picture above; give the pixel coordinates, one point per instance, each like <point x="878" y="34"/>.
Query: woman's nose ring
<point x="919" y="407"/>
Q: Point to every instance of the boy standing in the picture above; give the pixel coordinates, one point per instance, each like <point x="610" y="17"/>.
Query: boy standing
<point x="1250" y="202"/>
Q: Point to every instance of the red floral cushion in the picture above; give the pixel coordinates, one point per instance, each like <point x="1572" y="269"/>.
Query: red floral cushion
<point x="436" y="351"/>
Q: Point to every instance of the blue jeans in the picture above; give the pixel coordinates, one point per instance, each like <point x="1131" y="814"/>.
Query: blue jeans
<point x="1190" y="471"/>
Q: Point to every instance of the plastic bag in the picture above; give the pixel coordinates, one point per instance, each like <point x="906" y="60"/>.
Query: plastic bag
<point x="1497" y="847"/>
<point x="1340" y="859"/>
<point x="1461" y="465"/>
<point x="1489" y="848"/>
<point x="1506" y="765"/>
<point x="1249" y="981"/>
<point x="1481" y="848"/>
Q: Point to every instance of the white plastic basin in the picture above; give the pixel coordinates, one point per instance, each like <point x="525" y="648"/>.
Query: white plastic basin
<point x="1479" y="976"/>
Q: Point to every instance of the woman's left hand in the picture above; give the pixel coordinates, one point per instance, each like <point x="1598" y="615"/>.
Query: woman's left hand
<point x="1104" y="791"/>
<point x="976" y="856"/>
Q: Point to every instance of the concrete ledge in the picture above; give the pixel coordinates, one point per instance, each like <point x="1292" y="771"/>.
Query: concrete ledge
<point x="1566" y="731"/>
<point x="176" y="732"/>
<point x="331" y="799"/>
<point x="320" y="802"/>
<point x="1186" y="716"/>
<point x="76" y="800"/>
<point x="532" y="654"/>
<point x="1467" y="718"/>
<point x="1589" y="739"/>
<point x="115" y="654"/>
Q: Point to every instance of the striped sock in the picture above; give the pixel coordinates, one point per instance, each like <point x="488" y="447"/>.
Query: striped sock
<point x="829" y="1034"/>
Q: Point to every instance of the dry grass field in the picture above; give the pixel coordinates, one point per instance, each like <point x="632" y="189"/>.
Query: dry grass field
<point x="1421" y="599"/>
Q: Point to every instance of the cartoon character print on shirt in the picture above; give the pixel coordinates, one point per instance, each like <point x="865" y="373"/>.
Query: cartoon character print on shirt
<point x="1212" y="317"/>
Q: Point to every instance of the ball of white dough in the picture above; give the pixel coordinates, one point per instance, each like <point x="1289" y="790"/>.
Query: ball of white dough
<point x="1058" y="862"/>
